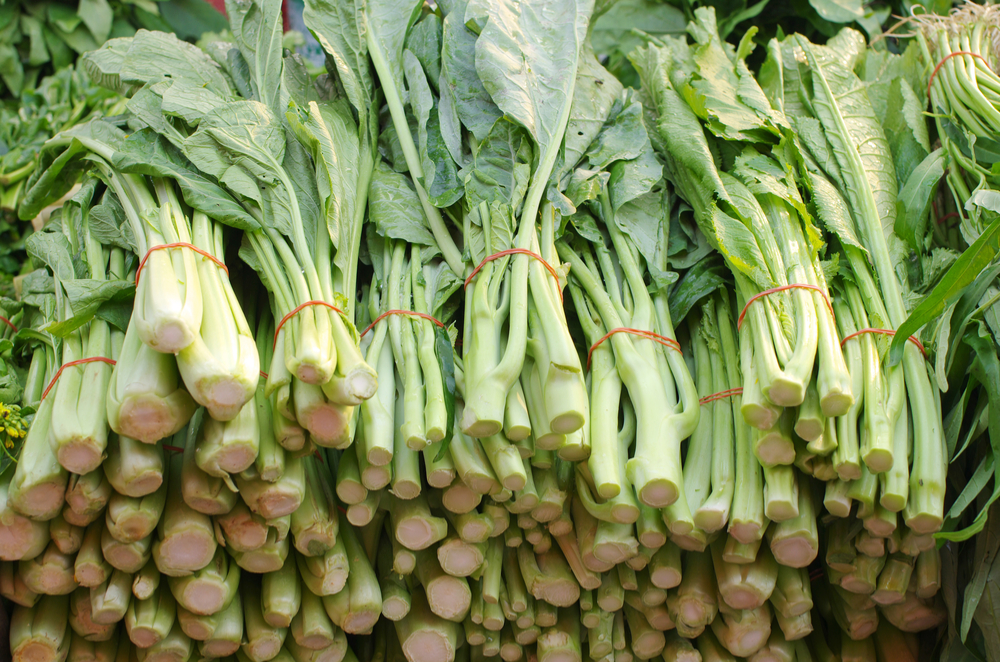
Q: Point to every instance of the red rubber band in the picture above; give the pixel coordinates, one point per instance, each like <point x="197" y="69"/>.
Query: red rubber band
<point x="782" y="288"/>
<point x="296" y="311"/>
<point x="263" y="374"/>
<point x="394" y="311"/>
<point x="92" y="359"/>
<point x="721" y="395"/>
<point x="947" y="216"/>
<point x="649" y="335"/>
<point x="886" y="332"/>
<point x="8" y="323"/>
<point x="515" y="251"/>
<point x="176" y="449"/>
<point x="179" y="244"/>
<point x="947" y="57"/>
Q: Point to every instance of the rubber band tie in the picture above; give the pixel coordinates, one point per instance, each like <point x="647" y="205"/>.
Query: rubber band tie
<point x="649" y="335"/>
<point x="886" y="332"/>
<point x="515" y="251"/>
<point x="782" y="288"/>
<point x="721" y="395"/>
<point x="59" y="372"/>
<point x="394" y="311"/>
<point x="930" y="81"/>
<point x="296" y="310"/>
<point x="179" y="244"/>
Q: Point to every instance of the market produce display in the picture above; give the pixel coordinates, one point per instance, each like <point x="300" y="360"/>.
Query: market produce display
<point x="532" y="330"/>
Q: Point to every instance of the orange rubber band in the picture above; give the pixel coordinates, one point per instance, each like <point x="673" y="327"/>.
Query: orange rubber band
<point x="515" y="251"/>
<point x="8" y="323"/>
<point x="92" y="359"/>
<point x="649" y="335"/>
<point x="179" y="244"/>
<point x="721" y="395"/>
<point x="782" y="288"/>
<point x="176" y="449"/>
<point x="394" y="311"/>
<point x="886" y="332"/>
<point x="296" y="311"/>
<point x="947" y="57"/>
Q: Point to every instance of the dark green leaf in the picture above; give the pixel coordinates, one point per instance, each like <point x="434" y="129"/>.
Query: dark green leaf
<point x="446" y="359"/>
<point x="962" y="274"/>
<point x="395" y="209"/>
<point x="698" y="282"/>
<point x="257" y="27"/>
<point x="914" y="203"/>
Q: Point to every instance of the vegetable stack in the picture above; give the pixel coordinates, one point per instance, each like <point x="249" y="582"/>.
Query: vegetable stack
<point x="467" y="349"/>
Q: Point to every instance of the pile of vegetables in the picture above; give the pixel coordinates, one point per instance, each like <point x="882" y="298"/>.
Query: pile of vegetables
<point x="41" y="38"/>
<point x="59" y="102"/>
<point x="494" y="340"/>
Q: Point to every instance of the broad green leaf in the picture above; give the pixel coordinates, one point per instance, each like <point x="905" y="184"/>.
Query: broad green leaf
<point x="612" y="30"/>
<point x="38" y="54"/>
<point x="98" y="16"/>
<point x="146" y="106"/>
<point x="440" y="174"/>
<point x="144" y="153"/>
<point x="501" y="167"/>
<point x="914" y="203"/>
<point x="586" y="226"/>
<point x="257" y="28"/>
<point x="584" y="185"/>
<point x="459" y="80"/>
<point x="52" y="180"/>
<point x="108" y="225"/>
<point x="156" y="56"/>
<point x="54" y="251"/>
<point x="11" y="70"/>
<point x="61" y="54"/>
<point x="299" y="168"/>
<point x="963" y="273"/>
<point x="298" y="82"/>
<point x="239" y="71"/>
<point x="644" y="219"/>
<point x="867" y="170"/>
<point x="596" y="95"/>
<point x="624" y="137"/>
<point x="728" y="98"/>
<point x="104" y="65"/>
<point x="331" y="136"/>
<point x="905" y="128"/>
<point x="831" y="209"/>
<point x="985" y="198"/>
<point x="85" y="298"/>
<point x="839" y="11"/>
<point x="697" y="282"/>
<point x="424" y="41"/>
<point x="244" y="135"/>
<point x="548" y="34"/>
<point x="387" y="22"/>
<point x="635" y="177"/>
<point x="189" y="19"/>
<point x="79" y="39"/>
<point x="338" y="26"/>
<point x="190" y="103"/>
<point x="394" y="208"/>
